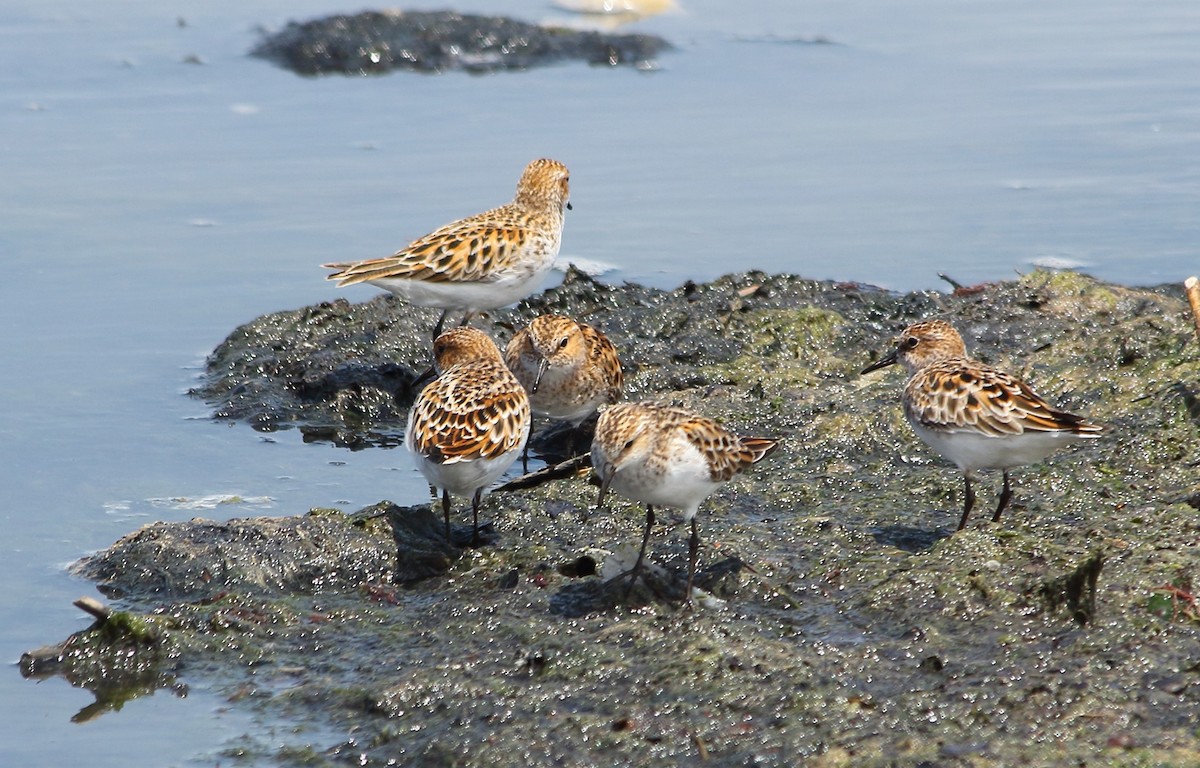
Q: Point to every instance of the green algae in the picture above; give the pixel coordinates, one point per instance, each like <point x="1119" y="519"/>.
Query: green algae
<point x="786" y="349"/>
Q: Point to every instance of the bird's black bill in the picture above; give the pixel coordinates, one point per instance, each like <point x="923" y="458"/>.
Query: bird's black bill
<point x="882" y="362"/>
<point x="603" y="491"/>
<point x="537" y="380"/>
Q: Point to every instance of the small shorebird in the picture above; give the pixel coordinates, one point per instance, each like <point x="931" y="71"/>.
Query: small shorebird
<point x="568" y="368"/>
<point x="468" y="425"/>
<point x="660" y="455"/>
<point x="481" y="262"/>
<point x="977" y="416"/>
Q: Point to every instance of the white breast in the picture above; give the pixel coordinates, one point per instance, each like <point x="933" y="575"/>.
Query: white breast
<point x="972" y="450"/>
<point x="508" y="289"/>
<point x="683" y="482"/>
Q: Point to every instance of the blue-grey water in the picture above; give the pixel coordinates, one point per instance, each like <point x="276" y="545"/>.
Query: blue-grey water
<point x="158" y="187"/>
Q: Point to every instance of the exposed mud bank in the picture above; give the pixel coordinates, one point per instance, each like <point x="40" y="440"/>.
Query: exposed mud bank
<point x="855" y="628"/>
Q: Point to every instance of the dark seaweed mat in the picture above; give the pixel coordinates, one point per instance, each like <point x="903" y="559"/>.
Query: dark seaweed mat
<point x="435" y="41"/>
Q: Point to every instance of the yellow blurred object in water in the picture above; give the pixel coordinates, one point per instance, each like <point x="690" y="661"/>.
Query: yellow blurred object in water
<point x="621" y="8"/>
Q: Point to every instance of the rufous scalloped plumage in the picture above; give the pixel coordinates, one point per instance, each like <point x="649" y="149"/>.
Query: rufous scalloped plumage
<point x="976" y="415"/>
<point x="484" y="261"/>
<point x="468" y="426"/>
<point x="666" y="456"/>
<point x="568" y="368"/>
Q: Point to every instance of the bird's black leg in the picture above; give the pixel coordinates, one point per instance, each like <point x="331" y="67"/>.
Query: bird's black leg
<point x="693" y="555"/>
<point x="968" y="501"/>
<point x="437" y="329"/>
<point x="1005" y="495"/>
<point x="475" y="516"/>
<point x="446" y="512"/>
<point x="633" y="574"/>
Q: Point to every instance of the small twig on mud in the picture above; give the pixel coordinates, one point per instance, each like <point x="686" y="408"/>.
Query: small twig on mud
<point x="1192" y="286"/>
<point x="961" y="290"/>
<point x="568" y="468"/>
<point x="953" y="283"/>
<point x="94" y="607"/>
<point x="701" y="749"/>
<point x="1183" y="602"/>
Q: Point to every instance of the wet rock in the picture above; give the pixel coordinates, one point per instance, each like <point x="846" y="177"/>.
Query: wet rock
<point x="435" y="41"/>
<point x="342" y="372"/>
<point x="315" y="368"/>
<point x="120" y="657"/>
<point x="855" y="625"/>
<point x="324" y="550"/>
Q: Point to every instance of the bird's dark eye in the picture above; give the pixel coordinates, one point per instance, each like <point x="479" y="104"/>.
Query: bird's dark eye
<point x="563" y="343"/>
<point x="629" y="443"/>
<point x="910" y="342"/>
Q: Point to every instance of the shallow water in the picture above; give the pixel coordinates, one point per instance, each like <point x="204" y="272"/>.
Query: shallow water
<point x="151" y="204"/>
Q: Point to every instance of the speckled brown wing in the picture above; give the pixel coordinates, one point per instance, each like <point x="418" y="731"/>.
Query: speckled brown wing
<point x="491" y="423"/>
<point x="476" y="249"/>
<point x="728" y="453"/>
<point x="958" y="394"/>
<point x="603" y="355"/>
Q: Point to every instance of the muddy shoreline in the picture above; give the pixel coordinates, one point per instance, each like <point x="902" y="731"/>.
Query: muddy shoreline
<point x="853" y="627"/>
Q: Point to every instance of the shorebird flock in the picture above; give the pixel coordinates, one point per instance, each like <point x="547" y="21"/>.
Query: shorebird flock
<point x="471" y="423"/>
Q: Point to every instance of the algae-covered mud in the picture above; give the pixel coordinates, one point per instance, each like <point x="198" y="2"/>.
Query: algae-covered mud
<point x="849" y="624"/>
<point x="375" y="42"/>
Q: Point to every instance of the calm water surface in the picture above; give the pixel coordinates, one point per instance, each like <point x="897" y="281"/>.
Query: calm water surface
<point x="149" y="205"/>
